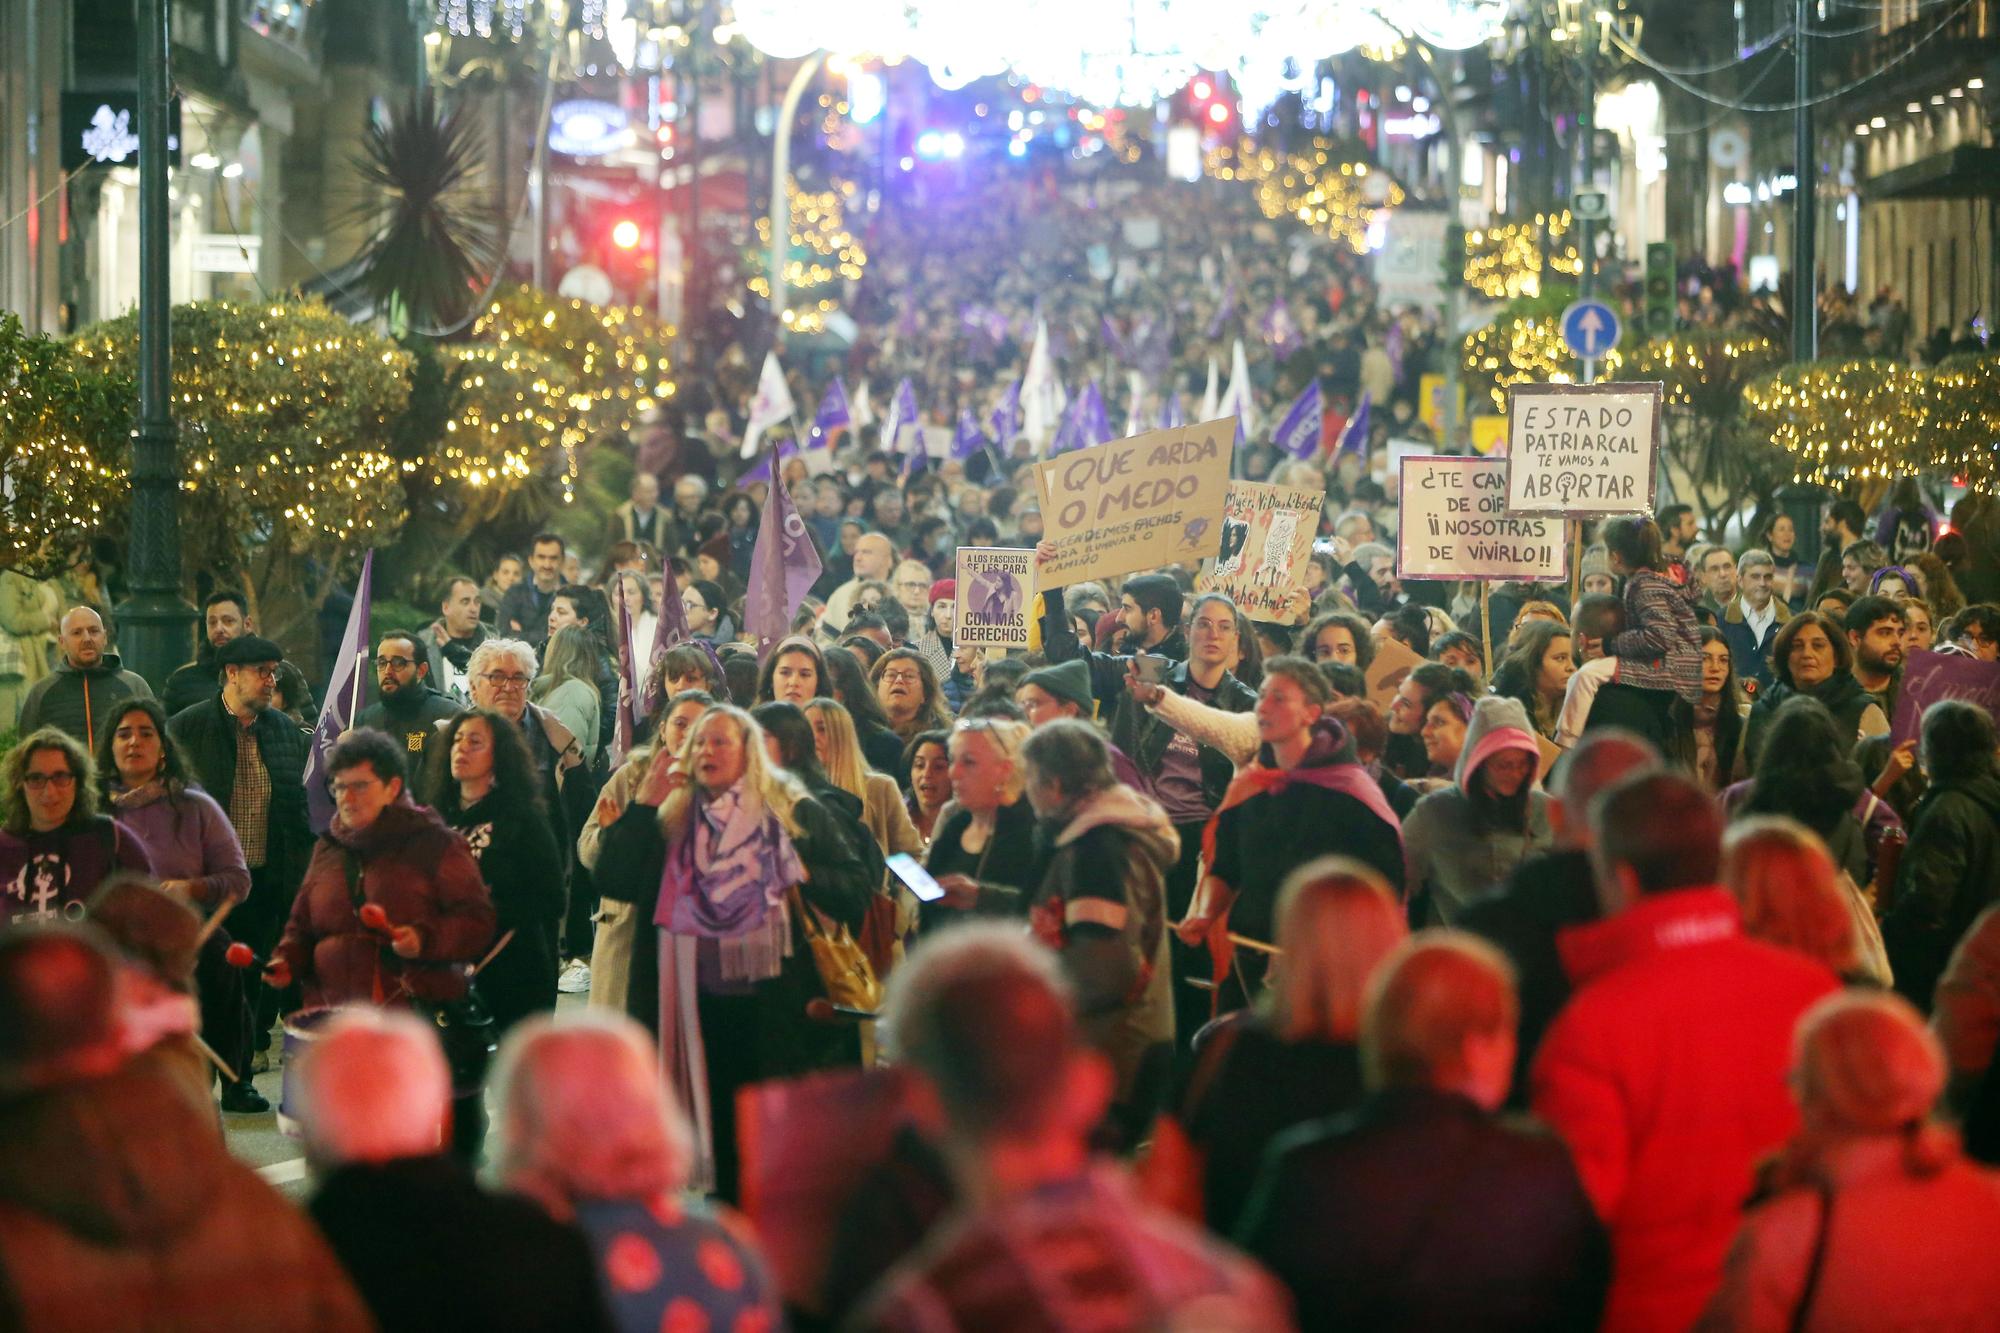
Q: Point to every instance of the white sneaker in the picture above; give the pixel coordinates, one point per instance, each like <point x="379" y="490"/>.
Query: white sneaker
<point x="575" y="979"/>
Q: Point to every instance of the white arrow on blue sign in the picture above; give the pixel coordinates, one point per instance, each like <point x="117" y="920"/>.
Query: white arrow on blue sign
<point x="1590" y="328"/>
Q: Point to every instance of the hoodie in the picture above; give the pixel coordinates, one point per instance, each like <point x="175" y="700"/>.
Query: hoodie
<point x="1101" y="904"/>
<point x="1448" y="850"/>
<point x="79" y="699"/>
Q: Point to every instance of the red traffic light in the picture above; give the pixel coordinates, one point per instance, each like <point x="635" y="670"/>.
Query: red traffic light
<point x="625" y="234"/>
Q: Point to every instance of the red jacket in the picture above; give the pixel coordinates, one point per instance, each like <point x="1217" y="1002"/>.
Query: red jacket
<point x="421" y="875"/>
<point x="1665" y="1074"/>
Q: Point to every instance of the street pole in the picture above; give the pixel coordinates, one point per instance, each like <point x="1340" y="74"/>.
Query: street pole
<point x="1586" y="230"/>
<point x="155" y="622"/>
<point x="1454" y="298"/>
<point x="781" y="170"/>
<point x="1805" y="196"/>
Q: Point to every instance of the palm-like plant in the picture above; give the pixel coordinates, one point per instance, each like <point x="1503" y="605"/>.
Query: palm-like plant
<point x="435" y="240"/>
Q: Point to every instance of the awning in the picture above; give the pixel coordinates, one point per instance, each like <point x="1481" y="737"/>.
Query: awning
<point x="1965" y="172"/>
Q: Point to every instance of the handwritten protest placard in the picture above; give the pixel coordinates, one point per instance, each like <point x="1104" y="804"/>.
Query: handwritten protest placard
<point x="1141" y="503"/>
<point x="1929" y="677"/>
<point x="1392" y="665"/>
<point x="1267" y="536"/>
<point x="1577" y="449"/>
<point x="1455" y="525"/>
<point x="995" y="586"/>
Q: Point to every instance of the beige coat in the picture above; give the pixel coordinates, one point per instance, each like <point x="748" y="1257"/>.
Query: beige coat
<point x="1904" y="1251"/>
<point x="617" y="923"/>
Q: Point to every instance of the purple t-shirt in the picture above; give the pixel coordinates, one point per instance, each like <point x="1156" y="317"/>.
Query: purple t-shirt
<point x="1177" y="785"/>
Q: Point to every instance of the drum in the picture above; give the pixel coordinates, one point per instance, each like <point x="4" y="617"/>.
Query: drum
<point x="302" y="1029"/>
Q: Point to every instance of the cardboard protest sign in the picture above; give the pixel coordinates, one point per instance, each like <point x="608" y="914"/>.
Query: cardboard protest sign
<point x="1579" y="449"/>
<point x="1455" y="525"/>
<point x="1141" y="503"/>
<point x="996" y="585"/>
<point x="1392" y="665"/>
<point x="918" y="437"/>
<point x="1489" y="436"/>
<point x="1267" y="536"/>
<point x="1929" y="677"/>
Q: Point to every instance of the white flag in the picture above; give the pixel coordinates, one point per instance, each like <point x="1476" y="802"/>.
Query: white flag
<point x="1134" y="392"/>
<point x="1211" y="397"/>
<point x="862" y="410"/>
<point x="1236" y="398"/>
<point x="1042" y="397"/>
<point x="772" y="406"/>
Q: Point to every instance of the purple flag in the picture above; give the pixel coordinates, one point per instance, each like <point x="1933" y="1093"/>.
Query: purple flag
<point x="1156" y="350"/>
<point x="1298" y="433"/>
<point x="1280" y="330"/>
<point x="1223" y="312"/>
<point x="832" y="418"/>
<point x="967" y="439"/>
<point x="784" y="449"/>
<point x="783" y="567"/>
<point x="1112" y="342"/>
<point x="1172" y="416"/>
<point x="902" y="412"/>
<point x="625" y="726"/>
<point x="1095" y="422"/>
<point x="1355" y="434"/>
<point x="670" y="631"/>
<point x="344" y="689"/>
<point x="1007" y="416"/>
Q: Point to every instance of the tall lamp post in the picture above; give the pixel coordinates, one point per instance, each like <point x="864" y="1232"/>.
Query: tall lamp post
<point x="155" y="622"/>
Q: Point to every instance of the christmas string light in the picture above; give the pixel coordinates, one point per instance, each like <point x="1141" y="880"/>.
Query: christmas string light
<point x="1506" y="262"/>
<point x="824" y="254"/>
<point x="1323" y="186"/>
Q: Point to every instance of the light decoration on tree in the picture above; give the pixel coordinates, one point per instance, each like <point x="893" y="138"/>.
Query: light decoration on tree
<point x="60" y="483"/>
<point x="1964" y="436"/>
<point x="615" y="357"/>
<point x="1507" y="262"/>
<point x="510" y="406"/>
<point x="1687" y="366"/>
<point x="824" y="253"/>
<point x="1844" y="419"/>
<point x="1526" y="349"/>
<point x="1322" y="186"/>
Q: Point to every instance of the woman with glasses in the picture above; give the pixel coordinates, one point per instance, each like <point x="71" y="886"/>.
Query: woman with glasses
<point x="198" y="859"/>
<point x="983" y="853"/>
<point x="54" y="847"/>
<point x="879" y="745"/>
<point x="909" y="693"/>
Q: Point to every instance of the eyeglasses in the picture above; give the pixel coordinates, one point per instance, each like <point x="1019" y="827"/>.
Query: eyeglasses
<point x="1215" y="626"/>
<point x="345" y="788"/>
<point x="60" y="781"/>
<point x="904" y="677"/>
<point x="262" y="670"/>
<point x="505" y="680"/>
<point x="393" y="663"/>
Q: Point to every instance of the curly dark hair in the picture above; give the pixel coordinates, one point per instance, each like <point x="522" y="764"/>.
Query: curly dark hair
<point x="1804" y="770"/>
<point x="373" y="748"/>
<point x="515" y="779"/>
<point x="15" y="773"/>
<point x="173" y="774"/>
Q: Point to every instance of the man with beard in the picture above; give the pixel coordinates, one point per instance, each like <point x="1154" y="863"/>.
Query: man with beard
<point x="409" y="708"/>
<point x="252" y="759"/>
<point x="225" y="616"/>
<point x="450" y="639"/>
<point x="1841" y="526"/>
<point x="1875" y="630"/>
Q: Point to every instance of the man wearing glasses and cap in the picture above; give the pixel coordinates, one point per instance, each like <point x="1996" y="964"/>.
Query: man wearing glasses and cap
<point x="252" y="759"/>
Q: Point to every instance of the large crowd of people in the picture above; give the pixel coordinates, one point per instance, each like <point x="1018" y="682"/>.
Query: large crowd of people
<point x="1612" y="962"/>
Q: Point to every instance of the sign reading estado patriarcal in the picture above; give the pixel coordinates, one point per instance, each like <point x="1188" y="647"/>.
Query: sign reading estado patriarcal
<point x="1455" y="525"/>
<point x="1582" y="449"/>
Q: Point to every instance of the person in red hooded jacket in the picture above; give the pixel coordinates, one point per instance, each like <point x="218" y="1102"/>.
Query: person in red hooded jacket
<point x="1665" y="1072"/>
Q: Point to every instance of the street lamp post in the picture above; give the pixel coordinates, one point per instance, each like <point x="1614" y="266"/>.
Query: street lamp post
<point x="155" y="622"/>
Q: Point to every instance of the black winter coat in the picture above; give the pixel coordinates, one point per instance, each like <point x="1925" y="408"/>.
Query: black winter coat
<point x="1419" y="1210"/>
<point x="1949" y="874"/>
<point x="523" y="869"/>
<point x="206" y="735"/>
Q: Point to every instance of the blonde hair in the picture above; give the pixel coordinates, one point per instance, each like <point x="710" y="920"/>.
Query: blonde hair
<point x="779" y="790"/>
<point x="1789" y="891"/>
<point x="1438" y="988"/>
<point x="845" y="765"/>
<point x="1337" y="920"/>
<point x="1864" y="1063"/>
<point x="1007" y="737"/>
<point x="584" y="1113"/>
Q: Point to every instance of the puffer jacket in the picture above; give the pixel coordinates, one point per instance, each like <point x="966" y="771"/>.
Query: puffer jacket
<point x="79" y="700"/>
<point x="1101" y="904"/>
<point x="1665" y="1074"/>
<point x="1949" y="874"/>
<point x="420" y="874"/>
<point x="121" y="1211"/>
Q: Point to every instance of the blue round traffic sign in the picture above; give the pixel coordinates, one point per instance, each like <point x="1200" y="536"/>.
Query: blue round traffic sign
<point x="1590" y="328"/>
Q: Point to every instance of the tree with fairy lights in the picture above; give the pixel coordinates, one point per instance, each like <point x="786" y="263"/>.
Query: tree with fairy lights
<point x="285" y="412"/>
<point x="1843" y="420"/>
<point x="62" y="480"/>
<point x="1714" y="455"/>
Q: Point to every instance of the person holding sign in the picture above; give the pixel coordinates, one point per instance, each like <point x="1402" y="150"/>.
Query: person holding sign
<point x="1659" y="652"/>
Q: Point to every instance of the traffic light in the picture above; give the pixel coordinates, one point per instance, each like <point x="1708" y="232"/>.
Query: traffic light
<point x="1661" y="296"/>
<point x="625" y="234"/>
